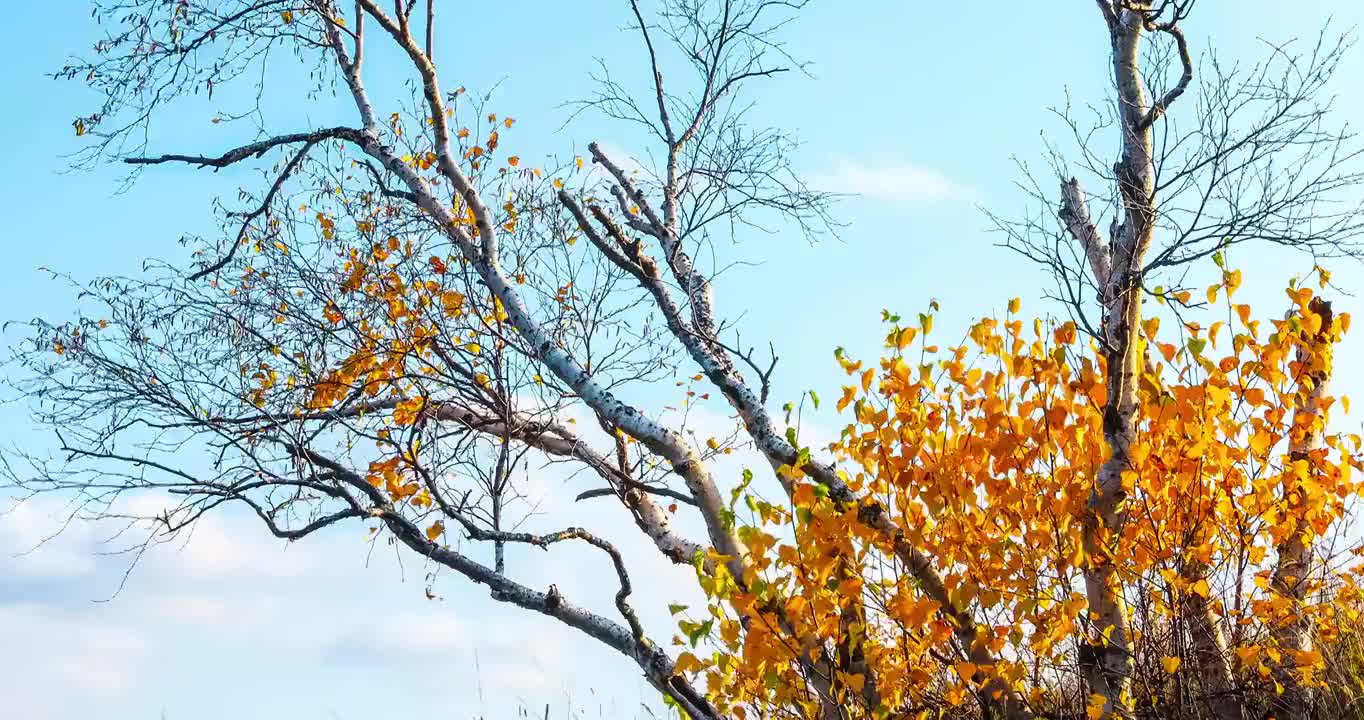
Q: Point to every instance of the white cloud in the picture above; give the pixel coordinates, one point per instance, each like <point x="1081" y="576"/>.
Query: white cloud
<point x="418" y="639"/>
<point x="900" y="180"/>
<point x="496" y="652"/>
<point x="215" y="551"/>
<point x="58" y="663"/>
<point x="30" y="548"/>
<point x="231" y="594"/>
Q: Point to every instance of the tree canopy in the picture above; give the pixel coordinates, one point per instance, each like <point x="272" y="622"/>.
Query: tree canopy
<point x="1096" y="516"/>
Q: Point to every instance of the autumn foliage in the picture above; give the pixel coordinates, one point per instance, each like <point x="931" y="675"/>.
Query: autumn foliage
<point x="986" y="452"/>
<point x="1132" y="514"/>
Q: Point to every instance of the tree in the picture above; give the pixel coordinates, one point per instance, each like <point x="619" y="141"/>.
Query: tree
<point x="1178" y="195"/>
<point x="403" y="315"/>
<point x="989" y="450"/>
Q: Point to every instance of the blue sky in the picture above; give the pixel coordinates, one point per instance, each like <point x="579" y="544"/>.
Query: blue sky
<point x="917" y="105"/>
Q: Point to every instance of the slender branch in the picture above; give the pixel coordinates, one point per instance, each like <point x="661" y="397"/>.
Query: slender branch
<point x="255" y="149"/>
<point x="1186" y="76"/>
<point x="251" y="217"/>
<point x="635" y="485"/>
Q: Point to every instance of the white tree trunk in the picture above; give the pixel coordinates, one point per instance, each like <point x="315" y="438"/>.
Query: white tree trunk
<point x="1293" y="636"/>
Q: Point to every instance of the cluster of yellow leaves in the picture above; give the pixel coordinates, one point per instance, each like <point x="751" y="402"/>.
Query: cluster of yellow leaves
<point x="985" y="453"/>
<point x="389" y="309"/>
<point x="392" y="476"/>
<point x="396" y="345"/>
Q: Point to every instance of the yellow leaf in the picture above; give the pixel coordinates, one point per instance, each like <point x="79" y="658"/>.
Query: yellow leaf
<point x="1094" y="709"/>
<point x="1170" y="664"/>
<point x="905" y="337"/>
<point x="436" y="530"/>
<point x="686" y="663"/>
<point x="452" y="302"/>
<point x="856" y="681"/>
<point x="1232" y="279"/>
<point x="1200" y="588"/>
<point x="1306" y="658"/>
<point x="966" y="671"/>
<point x="1014" y="305"/>
<point x="849" y="392"/>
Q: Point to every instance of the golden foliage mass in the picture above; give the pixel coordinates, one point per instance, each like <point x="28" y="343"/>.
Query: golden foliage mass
<point x="986" y="453"/>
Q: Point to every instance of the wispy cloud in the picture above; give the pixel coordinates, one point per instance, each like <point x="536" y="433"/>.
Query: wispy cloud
<point x="70" y="663"/>
<point x="403" y="639"/>
<point x="901" y="180"/>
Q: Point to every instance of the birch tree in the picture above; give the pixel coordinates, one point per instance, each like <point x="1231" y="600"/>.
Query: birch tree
<point x="402" y="317"/>
<point x="1254" y="159"/>
<point x="400" y="314"/>
<point x="989" y="450"/>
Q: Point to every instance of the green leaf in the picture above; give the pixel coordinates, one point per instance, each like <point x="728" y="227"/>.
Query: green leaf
<point x="814" y="397"/>
<point x="739" y="490"/>
<point x="771" y="679"/>
<point x="696" y="631"/>
<point x="675" y="609"/>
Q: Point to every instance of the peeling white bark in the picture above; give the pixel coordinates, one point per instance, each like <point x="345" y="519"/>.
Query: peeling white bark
<point x="483" y="257"/>
<point x="1295" y="550"/>
<point x="1209" y="656"/>
<point x="1116" y="268"/>
<point x="1075" y="214"/>
<point x="697" y="335"/>
<point x="1118" y="275"/>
